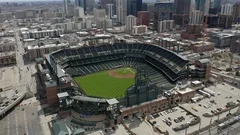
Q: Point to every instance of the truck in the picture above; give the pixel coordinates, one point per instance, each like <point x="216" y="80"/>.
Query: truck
<point x="212" y="93"/>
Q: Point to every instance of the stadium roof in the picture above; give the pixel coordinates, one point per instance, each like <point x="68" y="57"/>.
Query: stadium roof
<point x="63" y="94"/>
<point x="173" y="62"/>
<point x="59" y="128"/>
<point x="112" y="101"/>
<point x="78" y="131"/>
<point x="203" y="61"/>
<point x="89" y="99"/>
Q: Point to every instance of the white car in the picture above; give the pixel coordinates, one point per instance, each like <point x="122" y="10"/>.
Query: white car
<point x="101" y="133"/>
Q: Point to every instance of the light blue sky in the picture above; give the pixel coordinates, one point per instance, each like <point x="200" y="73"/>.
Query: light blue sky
<point x="52" y="0"/>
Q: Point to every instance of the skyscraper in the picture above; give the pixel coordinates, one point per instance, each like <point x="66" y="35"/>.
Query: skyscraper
<point x="109" y="10"/>
<point x="90" y="5"/>
<point x="103" y="3"/>
<point x="162" y="11"/>
<point x="226" y="9"/>
<point x="133" y="6"/>
<point x="81" y="3"/>
<point x="217" y="5"/>
<point x="196" y="17"/>
<point x="121" y="10"/>
<point x="79" y="14"/>
<point x="130" y="22"/>
<point x="203" y="6"/>
<point x="100" y="18"/>
<point x="68" y="8"/>
<point x="143" y="18"/>
<point x="65" y="6"/>
<point x="181" y="11"/>
<point x="236" y="12"/>
<point x="150" y="9"/>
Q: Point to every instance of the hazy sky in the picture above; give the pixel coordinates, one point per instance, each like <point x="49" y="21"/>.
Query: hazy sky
<point x="53" y="0"/>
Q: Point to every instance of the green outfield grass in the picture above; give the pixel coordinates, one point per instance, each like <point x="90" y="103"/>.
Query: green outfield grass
<point x="101" y="84"/>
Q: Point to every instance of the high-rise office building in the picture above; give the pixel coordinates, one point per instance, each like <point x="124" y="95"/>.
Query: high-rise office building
<point x="144" y="6"/>
<point x="226" y="16"/>
<point x="65" y="6"/>
<point x="103" y="3"/>
<point x="130" y="22"/>
<point x="196" y="17"/>
<point x="100" y="18"/>
<point x="162" y="11"/>
<point x="143" y="18"/>
<point x="79" y="14"/>
<point x="90" y="5"/>
<point x="110" y="10"/>
<point x="217" y="5"/>
<point x="181" y="12"/>
<point x="150" y="9"/>
<point x="81" y="3"/>
<point x="165" y="26"/>
<point x="236" y="12"/>
<point x="133" y="6"/>
<point x="121" y="11"/>
<point x="203" y="6"/>
<point x="68" y="8"/>
<point x="99" y="13"/>
<point x="71" y="8"/>
<point x="226" y="9"/>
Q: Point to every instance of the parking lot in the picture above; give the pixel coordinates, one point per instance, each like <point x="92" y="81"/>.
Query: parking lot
<point x="224" y="94"/>
<point x="171" y="118"/>
<point x="138" y="127"/>
<point x="8" y="78"/>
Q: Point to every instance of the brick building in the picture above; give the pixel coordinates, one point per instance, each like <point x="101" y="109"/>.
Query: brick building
<point x="143" y="18"/>
<point x="202" y="47"/>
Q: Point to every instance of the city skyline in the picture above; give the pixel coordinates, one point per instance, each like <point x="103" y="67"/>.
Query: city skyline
<point x="116" y="67"/>
<point x="53" y="0"/>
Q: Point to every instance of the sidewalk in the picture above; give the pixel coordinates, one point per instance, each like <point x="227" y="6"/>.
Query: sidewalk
<point x="44" y="121"/>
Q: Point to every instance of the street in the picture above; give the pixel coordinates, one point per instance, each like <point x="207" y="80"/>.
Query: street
<point x="22" y="120"/>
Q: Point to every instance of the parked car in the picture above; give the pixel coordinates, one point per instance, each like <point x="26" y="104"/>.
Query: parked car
<point x="176" y="120"/>
<point x="169" y="119"/>
<point x="164" y="120"/>
<point x="169" y="123"/>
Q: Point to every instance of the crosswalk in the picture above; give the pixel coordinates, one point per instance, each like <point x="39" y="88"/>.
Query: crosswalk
<point x="25" y="122"/>
<point x="8" y="125"/>
<point x="16" y="122"/>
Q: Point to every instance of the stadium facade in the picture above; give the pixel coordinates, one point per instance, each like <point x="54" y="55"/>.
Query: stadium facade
<point x="162" y="68"/>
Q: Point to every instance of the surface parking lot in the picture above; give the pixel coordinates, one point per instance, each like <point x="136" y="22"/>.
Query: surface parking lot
<point x="224" y="93"/>
<point x="168" y="119"/>
<point x="138" y="127"/>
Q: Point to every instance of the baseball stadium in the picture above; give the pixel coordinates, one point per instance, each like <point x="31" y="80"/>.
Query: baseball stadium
<point x="131" y="73"/>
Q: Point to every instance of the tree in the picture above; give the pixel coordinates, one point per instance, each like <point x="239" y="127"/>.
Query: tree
<point x="237" y="73"/>
<point x="41" y="44"/>
<point x="57" y="42"/>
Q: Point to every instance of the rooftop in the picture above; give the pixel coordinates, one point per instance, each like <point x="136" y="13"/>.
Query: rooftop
<point x="46" y="46"/>
<point x="12" y="53"/>
<point x="112" y="101"/>
<point x="59" y="128"/>
<point x="204" y="61"/>
<point x="83" y="98"/>
<point x="5" y="40"/>
<point x="63" y="94"/>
